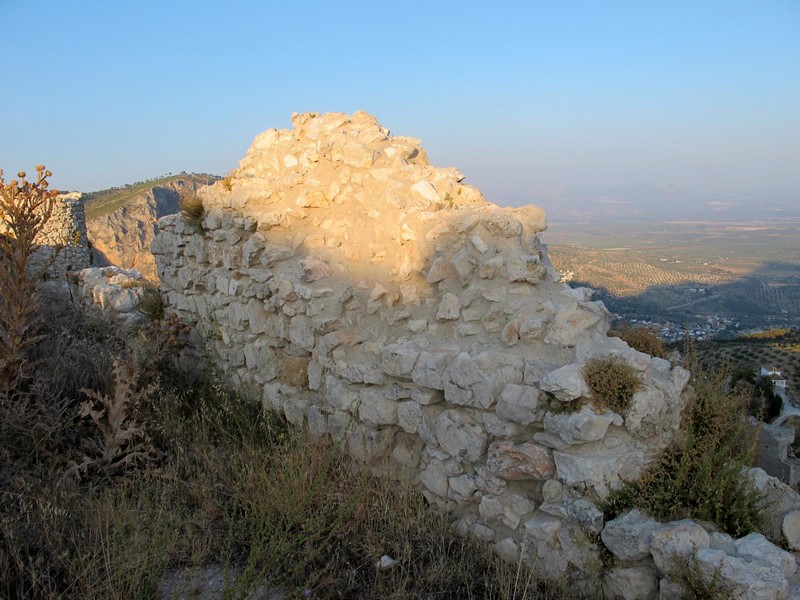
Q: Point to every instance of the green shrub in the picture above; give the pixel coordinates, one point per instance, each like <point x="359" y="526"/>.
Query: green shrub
<point x="642" y="339"/>
<point x="193" y="211"/>
<point x="700" y="475"/>
<point x="612" y="382"/>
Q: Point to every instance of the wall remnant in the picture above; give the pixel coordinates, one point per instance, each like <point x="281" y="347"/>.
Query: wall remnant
<point x="380" y="300"/>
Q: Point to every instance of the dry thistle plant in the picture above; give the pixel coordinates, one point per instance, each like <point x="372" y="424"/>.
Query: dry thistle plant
<point x="123" y="440"/>
<point x="25" y="207"/>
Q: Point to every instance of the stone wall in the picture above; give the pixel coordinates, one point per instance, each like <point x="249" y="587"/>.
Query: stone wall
<point x="379" y="300"/>
<point x="66" y="229"/>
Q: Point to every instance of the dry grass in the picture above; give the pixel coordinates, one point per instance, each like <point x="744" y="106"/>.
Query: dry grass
<point x="193" y="211"/>
<point x="183" y="476"/>
<point x="642" y="339"/>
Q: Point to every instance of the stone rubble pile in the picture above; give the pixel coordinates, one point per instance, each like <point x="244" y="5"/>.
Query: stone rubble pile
<point x="113" y="289"/>
<point x="380" y="300"/>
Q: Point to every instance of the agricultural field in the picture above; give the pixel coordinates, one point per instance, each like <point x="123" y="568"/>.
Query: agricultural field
<point x="778" y="350"/>
<point x="685" y="272"/>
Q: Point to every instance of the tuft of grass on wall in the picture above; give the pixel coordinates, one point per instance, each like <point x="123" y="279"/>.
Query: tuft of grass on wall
<point x="612" y="382"/>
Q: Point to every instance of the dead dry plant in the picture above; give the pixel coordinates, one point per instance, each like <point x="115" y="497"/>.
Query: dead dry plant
<point x="122" y="441"/>
<point x="25" y="207"/>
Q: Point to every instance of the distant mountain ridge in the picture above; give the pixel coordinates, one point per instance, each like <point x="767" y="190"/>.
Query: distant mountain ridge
<point x="657" y="203"/>
<point x="122" y="222"/>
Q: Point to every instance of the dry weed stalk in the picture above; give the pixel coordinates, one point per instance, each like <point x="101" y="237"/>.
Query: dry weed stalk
<point x="123" y="440"/>
<point x="25" y="207"/>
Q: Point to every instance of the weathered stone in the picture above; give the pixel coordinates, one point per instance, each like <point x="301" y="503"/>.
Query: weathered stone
<point x="459" y="436"/>
<point x="398" y="360"/>
<point x="738" y="578"/>
<point x="449" y="308"/>
<point x="465" y="384"/>
<point x="508" y="509"/>
<point x="519" y="403"/>
<point x="570" y="324"/>
<point x="628" y="537"/>
<point x="566" y="383"/>
<point x="582" y="426"/>
<point x="376" y="409"/>
<point x="755" y="547"/>
<point x="518" y="462"/>
<point x="791" y="529"/>
<point x="673" y="544"/>
<point x="600" y="472"/>
<point x="631" y="583"/>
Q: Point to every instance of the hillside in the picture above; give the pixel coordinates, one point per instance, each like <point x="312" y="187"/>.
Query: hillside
<point x="121" y="222"/>
<point x="102" y="202"/>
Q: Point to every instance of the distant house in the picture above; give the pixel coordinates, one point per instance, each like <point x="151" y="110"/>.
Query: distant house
<point x="778" y="380"/>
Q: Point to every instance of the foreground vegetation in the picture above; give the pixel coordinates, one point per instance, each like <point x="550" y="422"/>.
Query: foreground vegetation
<point x="700" y="475"/>
<point x="169" y="470"/>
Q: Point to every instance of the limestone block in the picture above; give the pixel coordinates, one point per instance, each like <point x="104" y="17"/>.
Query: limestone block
<point x="599" y="469"/>
<point x="569" y="325"/>
<point x="465" y="384"/>
<point x="508" y="509"/>
<point x="449" y="308"/>
<point x="462" y="488"/>
<point x="646" y="415"/>
<point x="526" y="268"/>
<point x="586" y="514"/>
<point x="580" y="427"/>
<point x="502" y="224"/>
<point x="781" y="498"/>
<point x="436" y="474"/>
<point x="756" y="548"/>
<point x="460" y="436"/>
<point x="520" y="404"/>
<point x="508" y="550"/>
<point x="491" y="268"/>
<point x="629" y="536"/>
<point x="496" y="426"/>
<point x="673" y="544"/>
<point x="520" y="461"/>
<point x="301" y="333"/>
<point x="375" y="408"/>
<point x="739" y="578"/>
<point x="398" y="359"/>
<point x="791" y="529"/>
<point x="631" y="583"/>
<point x="566" y="383"/>
<point x="722" y="541"/>
<point x="440" y="269"/>
<point x="542" y="527"/>
<point x="338" y="396"/>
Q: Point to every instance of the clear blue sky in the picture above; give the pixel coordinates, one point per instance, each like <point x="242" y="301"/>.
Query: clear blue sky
<point x="518" y="95"/>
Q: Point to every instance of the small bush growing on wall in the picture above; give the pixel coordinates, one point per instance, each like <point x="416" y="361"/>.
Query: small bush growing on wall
<point x="612" y="382"/>
<point x="642" y="339"/>
<point x="193" y="211"/>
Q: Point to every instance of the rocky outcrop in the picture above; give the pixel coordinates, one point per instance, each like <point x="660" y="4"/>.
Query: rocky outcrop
<point x="123" y="237"/>
<point x="382" y="301"/>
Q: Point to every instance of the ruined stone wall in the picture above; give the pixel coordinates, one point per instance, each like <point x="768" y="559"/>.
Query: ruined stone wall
<point x="66" y="229"/>
<point x="380" y="300"/>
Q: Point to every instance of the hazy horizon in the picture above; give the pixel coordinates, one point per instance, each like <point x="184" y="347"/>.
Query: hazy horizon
<point x="522" y="98"/>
